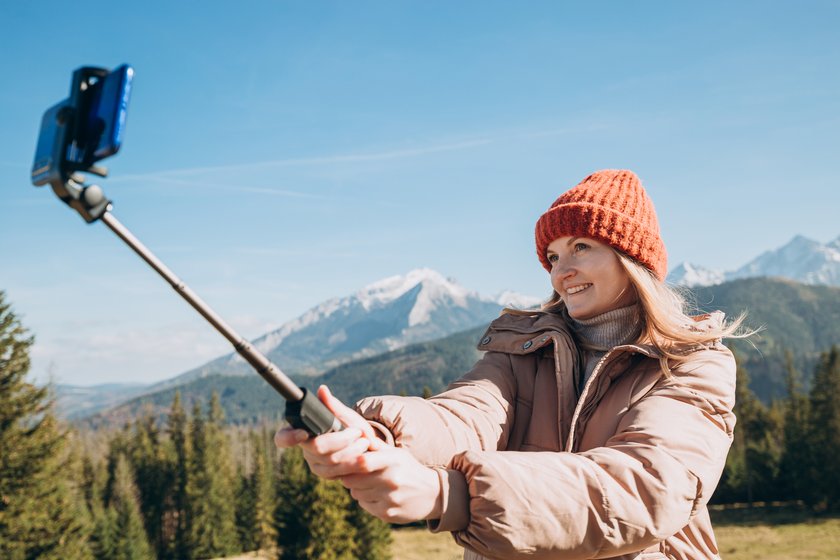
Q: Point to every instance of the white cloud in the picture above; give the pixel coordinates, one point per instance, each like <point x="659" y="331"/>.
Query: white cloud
<point x="91" y="354"/>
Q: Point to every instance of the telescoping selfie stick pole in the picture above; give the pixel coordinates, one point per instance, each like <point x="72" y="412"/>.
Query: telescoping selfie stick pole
<point x="303" y="409"/>
<point x="70" y="143"/>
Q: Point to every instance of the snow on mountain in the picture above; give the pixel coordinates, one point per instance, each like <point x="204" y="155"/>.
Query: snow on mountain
<point x="687" y="274"/>
<point x="385" y="315"/>
<point x="516" y="300"/>
<point x="801" y="259"/>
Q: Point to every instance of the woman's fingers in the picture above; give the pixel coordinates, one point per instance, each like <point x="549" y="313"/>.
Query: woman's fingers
<point x="340" y="463"/>
<point x="289" y="437"/>
<point x="327" y="444"/>
<point x="346" y="415"/>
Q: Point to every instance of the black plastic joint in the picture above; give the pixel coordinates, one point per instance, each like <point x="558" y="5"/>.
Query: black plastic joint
<point x="311" y="414"/>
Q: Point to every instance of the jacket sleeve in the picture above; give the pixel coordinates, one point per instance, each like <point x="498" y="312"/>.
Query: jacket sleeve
<point x="474" y="413"/>
<point x="641" y="487"/>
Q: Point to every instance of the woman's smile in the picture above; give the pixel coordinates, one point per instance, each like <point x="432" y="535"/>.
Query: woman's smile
<point x="577" y="289"/>
<point x="589" y="277"/>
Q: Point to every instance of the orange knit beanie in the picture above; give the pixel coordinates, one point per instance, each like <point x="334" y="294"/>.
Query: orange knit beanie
<point x="610" y="206"/>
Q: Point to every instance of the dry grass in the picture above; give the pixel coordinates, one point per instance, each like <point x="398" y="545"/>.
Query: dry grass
<point x="766" y="533"/>
<point x="412" y="543"/>
<point x="776" y="533"/>
<point x="769" y="534"/>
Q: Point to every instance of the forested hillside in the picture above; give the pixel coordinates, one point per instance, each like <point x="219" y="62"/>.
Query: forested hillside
<point x="799" y="318"/>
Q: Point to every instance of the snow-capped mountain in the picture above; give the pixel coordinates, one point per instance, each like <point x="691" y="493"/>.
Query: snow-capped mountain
<point x="388" y="314"/>
<point x="687" y="274"/>
<point x="801" y="259"/>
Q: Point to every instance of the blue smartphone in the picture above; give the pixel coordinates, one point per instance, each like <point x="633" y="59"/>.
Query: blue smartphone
<point x="51" y="144"/>
<point x="84" y="128"/>
<point x="108" y="108"/>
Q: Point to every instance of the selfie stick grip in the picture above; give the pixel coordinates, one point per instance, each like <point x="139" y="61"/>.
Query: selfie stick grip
<point x="303" y="409"/>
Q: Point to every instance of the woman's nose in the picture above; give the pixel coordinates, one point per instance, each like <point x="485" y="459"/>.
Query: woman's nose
<point x="561" y="270"/>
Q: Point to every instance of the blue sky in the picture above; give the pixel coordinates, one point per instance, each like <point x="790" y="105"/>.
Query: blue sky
<point x="281" y="153"/>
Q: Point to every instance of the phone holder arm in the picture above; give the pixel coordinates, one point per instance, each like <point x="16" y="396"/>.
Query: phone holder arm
<point x="88" y="200"/>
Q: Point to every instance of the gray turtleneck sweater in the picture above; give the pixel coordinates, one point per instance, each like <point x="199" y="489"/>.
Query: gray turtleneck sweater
<point x="597" y="335"/>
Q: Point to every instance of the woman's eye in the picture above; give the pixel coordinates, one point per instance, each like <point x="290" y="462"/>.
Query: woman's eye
<point x="552" y="258"/>
<point x="580" y="247"/>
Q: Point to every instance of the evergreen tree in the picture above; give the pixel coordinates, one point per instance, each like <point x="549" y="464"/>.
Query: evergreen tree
<point x="131" y="542"/>
<point x="210" y="491"/>
<point x="294" y="490"/>
<point x="42" y="513"/>
<point x="257" y="501"/>
<point x="333" y="537"/>
<point x="373" y="536"/>
<point x="104" y="536"/>
<point x="752" y="466"/>
<point x="177" y="428"/>
<point x="824" y="440"/>
<point x="794" y="477"/>
<point x="312" y="514"/>
<point x="153" y="463"/>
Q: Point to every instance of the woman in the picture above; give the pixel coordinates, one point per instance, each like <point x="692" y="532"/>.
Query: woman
<point x="597" y="427"/>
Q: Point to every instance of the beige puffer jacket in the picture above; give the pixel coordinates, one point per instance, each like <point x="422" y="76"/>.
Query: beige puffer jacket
<point x="531" y="470"/>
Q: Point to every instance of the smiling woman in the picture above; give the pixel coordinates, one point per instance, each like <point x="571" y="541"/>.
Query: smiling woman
<point x="627" y="399"/>
<point x="589" y="276"/>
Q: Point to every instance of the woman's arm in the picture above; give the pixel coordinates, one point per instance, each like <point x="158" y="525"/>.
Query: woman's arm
<point x="641" y="487"/>
<point x="474" y="413"/>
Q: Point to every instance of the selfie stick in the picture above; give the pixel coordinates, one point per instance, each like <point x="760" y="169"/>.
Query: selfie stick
<point x="69" y="145"/>
<point x="303" y="409"/>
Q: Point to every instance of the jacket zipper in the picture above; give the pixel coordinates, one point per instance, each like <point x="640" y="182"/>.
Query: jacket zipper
<point x="589" y="382"/>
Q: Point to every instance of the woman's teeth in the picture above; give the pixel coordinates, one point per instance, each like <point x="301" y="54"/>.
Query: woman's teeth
<point x="576" y="289"/>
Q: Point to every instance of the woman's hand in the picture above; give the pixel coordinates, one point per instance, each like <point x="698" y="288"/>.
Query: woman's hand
<point x="334" y="454"/>
<point x="392" y="485"/>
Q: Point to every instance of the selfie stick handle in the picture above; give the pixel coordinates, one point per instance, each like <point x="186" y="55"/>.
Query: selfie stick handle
<point x="303" y="409"/>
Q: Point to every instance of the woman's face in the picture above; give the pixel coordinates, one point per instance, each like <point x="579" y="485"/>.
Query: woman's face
<point x="588" y="276"/>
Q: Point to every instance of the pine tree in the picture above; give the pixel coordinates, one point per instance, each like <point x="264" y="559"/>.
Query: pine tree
<point x="42" y="513"/>
<point x="257" y="501"/>
<point x="104" y="537"/>
<point x="333" y="537"/>
<point x="104" y="533"/>
<point x="824" y="440"/>
<point x="373" y="536"/>
<point x="312" y="514"/>
<point x="131" y="542"/>
<point x="796" y="456"/>
<point x="177" y="428"/>
<point x="295" y="487"/>
<point x="153" y="464"/>
<point x="210" y="492"/>
<point x="752" y="466"/>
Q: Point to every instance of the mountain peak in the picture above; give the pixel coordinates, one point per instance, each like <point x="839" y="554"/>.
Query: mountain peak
<point x="687" y="274"/>
<point x="801" y="259"/>
<point x="800" y="242"/>
<point x="433" y="285"/>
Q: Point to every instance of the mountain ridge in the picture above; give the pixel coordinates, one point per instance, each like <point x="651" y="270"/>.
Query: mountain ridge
<point x="801" y="259"/>
<point x="424" y="305"/>
<point x="795" y="317"/>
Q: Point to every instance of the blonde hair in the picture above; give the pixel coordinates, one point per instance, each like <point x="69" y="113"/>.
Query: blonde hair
<point x="667" y="325"/>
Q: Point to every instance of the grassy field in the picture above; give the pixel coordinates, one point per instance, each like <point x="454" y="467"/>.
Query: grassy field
<point x="769" y="534"/>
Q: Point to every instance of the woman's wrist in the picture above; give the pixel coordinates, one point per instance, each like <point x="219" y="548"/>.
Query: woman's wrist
<point x="436" y="490"/>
